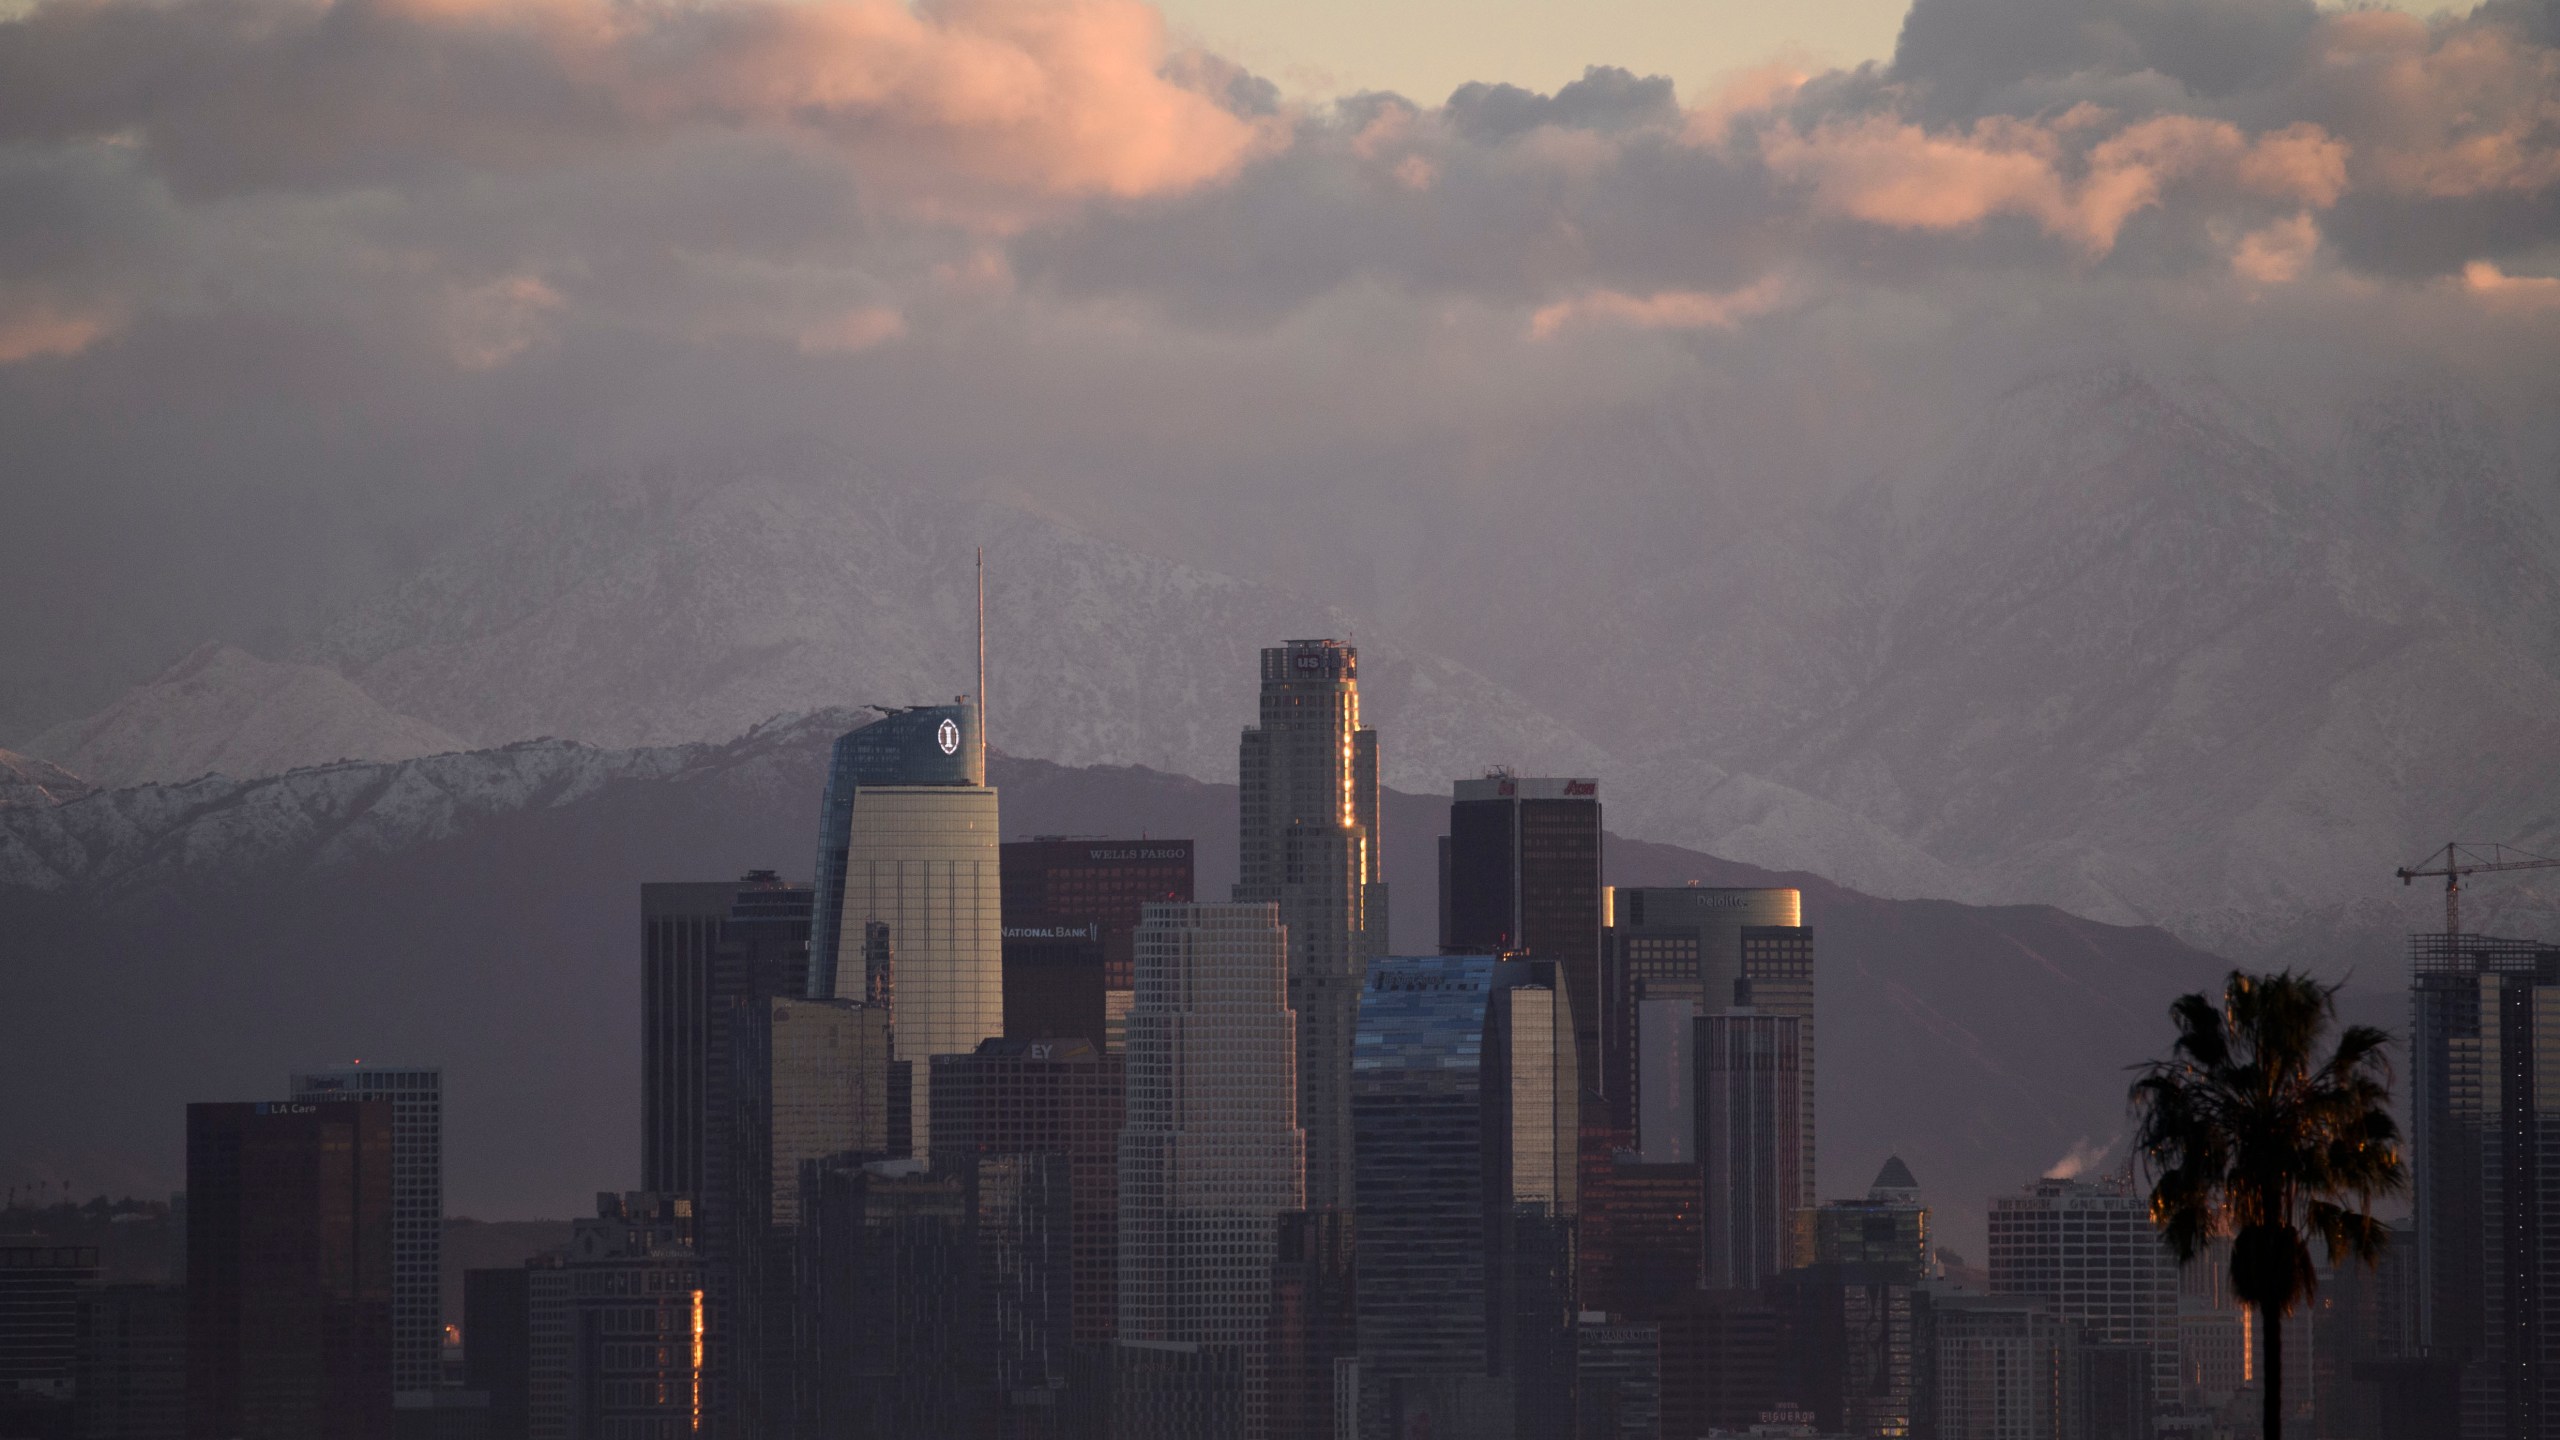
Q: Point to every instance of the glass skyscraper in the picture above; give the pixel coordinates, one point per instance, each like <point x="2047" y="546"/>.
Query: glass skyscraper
<point x="1464" y="1100"/>
<point x="416" y="1093"/>
<point x="1307" y="811"/>
<point x="1521" y="875"/>
<point x="1749" y="1146"/>
<point x="909" y="910"/>
<point x="2485" y="1111"/>
<point x="1211" y="1156"/>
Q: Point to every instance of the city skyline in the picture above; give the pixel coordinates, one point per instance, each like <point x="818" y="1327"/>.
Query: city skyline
<point x="1717" y="721"/>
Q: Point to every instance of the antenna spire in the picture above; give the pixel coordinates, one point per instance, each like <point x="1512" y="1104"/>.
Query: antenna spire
<point x="982" y="664"/>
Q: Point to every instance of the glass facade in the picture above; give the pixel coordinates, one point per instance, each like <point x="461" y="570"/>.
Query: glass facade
<point x="1749" y="1133"/>
<point x="1523" y="877"/>
<point x="1307" y="830"/>
<point x="289" y="1269"/>
<point x="1466" y="1113"/>
<point x="416" y="1094"/>
<point x="2485" y="1116"/>
<point x="1211" y="1155"/>
<point x="903" y="747"/>
<point x="1706" y="948"/>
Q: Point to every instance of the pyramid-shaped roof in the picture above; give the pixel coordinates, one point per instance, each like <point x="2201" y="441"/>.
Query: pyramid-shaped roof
<point x="1895" y="1176"/>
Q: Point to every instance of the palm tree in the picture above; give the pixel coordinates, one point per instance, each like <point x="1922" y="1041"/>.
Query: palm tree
<point x="2251" y="1135"/>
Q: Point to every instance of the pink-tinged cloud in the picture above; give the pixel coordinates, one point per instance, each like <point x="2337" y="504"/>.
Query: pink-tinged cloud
<point x="1661" y="310"/>
<point x="36" y="331"/>
<point x="853" y="330"/>
<point x="2442" y="111"/>
<point x="1892" y="173"/>
<point x="2494" y="287"/>
<point x="487" y="325"/>
<point x="955" y="103"/>
<point x="2277" y="254"/>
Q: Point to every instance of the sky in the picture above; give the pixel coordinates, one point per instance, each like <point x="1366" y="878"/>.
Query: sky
<point x="291" y="291"/>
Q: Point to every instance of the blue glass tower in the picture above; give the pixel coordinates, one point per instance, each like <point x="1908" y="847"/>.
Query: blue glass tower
<point x="1464" y="1101"/>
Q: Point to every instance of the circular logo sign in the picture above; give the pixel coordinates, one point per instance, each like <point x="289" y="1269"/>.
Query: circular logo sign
<point x="948" y="737"/>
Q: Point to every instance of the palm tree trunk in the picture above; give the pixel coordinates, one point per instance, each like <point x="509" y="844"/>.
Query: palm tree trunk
<point x="2271" y="1371"/>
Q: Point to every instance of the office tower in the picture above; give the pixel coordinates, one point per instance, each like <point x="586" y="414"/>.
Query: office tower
<point x="1210" y="1158"/>
<point x="416" y="1093"/>
<point x="289" y="1270"/>
<point x="886" y="1263"/>
<point x="2088" y="1251"/>
<point x="1720" y="1362"/>
<point x="1307" y="806"/>
<point x="704" y="944"/>
<point x="1675" y="952"/>
<point x="497" y="1345"/>
<point x="1996" y="1367"/>
<point x="42" y="1288"/>
<point x="1750" y="1083"/>
<point x="1521" y="875"/>
<point x="1466" y="1107"/>
<point x="1071" y="912"/>
<point x="810" y="1079"/>
<point x="2487" y="1173"/>
<point x="550" y="1339"/>
<point x="132" y="1379"/>
<point x="617" y="1324"/>
<point x="1890" y="1227"/>
<point x="1022" y="1266"/>
<point x="1314" y="1322"/>
<point x="1641" y="1245"/>
<point x="1617" y="1379"/>
<point x="1046" y="1097"/>
<point x="1853" y="1344"/>
<point x="909" y="906"/>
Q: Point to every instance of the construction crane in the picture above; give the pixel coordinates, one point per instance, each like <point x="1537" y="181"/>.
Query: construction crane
<point x="2457" y="860"/>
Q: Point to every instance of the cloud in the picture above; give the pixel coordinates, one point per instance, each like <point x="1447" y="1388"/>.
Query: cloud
<point x="40" y="329"/>
<point x="960" y="104"/>
<point x="2278" y="253"/>
<point x="2494" y="287"/>
<point x="1662" y="310"/>
<point x="853" y="330"/>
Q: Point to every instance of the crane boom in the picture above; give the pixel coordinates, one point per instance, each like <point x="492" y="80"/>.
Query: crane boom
<point x="2457" y="860"/>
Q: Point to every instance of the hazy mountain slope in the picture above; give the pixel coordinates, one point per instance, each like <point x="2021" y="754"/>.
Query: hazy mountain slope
<point x="2135" y="646"/>
<point x="651" y="611"/>
<point x="224" y="710"/>
<point x="479" y="910"/>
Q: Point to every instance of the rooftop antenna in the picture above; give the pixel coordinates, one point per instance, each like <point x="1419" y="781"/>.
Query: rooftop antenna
<point x="982" y="664"/>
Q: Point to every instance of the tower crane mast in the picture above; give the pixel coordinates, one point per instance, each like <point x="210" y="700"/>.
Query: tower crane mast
<point x="2457" y="860"/>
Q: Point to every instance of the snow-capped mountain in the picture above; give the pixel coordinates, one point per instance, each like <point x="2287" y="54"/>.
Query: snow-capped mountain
<point x="2131" y="645"/>
<point x="481" y="909"/>
<point x="222" y="710"/>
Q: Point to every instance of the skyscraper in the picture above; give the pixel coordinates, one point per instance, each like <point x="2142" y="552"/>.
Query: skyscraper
<point x="811" y="1080"/>
<point x="289" y="1270"/>
<point x="1749" y="1084"/>
<point x="42" y="1291"/>
<point x="1071" y="912"/>
<point x="1675" y="952"/>
<point x="1046" y="1097"/>
<point x="909" y="907"/>
<point x="702" y="945"/>
<point x="1465" y="1104"/>
<point x="2087" y="1250"/>
<point x="1890" y="1227"/>
<point x="1521" y="875"/>
<point x="1211" y="1156"/>
<point x="1308" y="842"/>
<point x="416" y="1093"/>
<point x="632" y="1322"/>
<point x="2484" y="1066"/>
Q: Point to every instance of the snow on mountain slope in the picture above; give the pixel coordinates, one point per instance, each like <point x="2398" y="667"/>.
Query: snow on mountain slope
<point x="27" y="781"/>
<point x="643" y="611"/>
<point x="222" y="710"/>
<point x="480" y="908"/>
